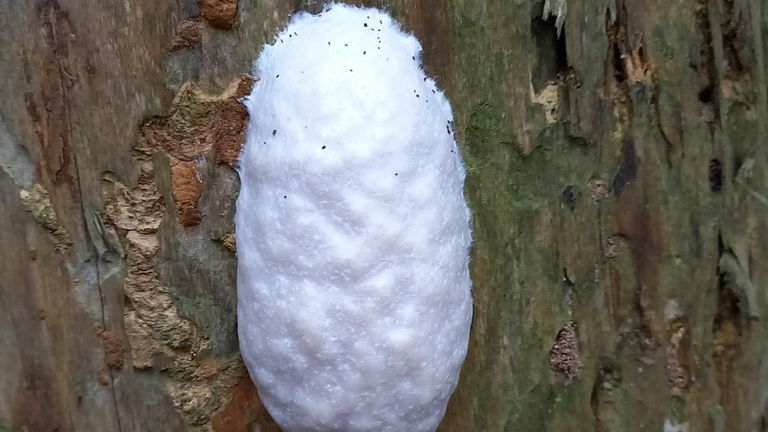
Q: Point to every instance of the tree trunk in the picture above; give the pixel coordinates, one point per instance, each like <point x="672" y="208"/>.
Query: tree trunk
<point x="616" y="154"/>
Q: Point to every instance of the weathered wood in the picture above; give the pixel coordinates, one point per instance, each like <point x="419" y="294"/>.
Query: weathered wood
<point x="617" y="175"/>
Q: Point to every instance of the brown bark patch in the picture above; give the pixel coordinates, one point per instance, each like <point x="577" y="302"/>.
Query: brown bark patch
<point x="219" y="13"/>
<point x="187" y="187"/>
<point x="232" y="123"/>
<point x="52" y="122"/>
<point x="113" y="348"/>
<point x="230" y="131"/>
<point x="188" y="34"/>
<point x="564" y="358"/>
<point x="228" y="241"/>
<point x="243" y="410"/>
<point x="598" y="189"/>
<point x="677" y="359"/>
<point x="429" y="21"/>
<point x="200" y="126"/>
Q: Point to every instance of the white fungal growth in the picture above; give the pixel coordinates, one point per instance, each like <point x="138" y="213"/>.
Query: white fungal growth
<point x="353" y="234"/>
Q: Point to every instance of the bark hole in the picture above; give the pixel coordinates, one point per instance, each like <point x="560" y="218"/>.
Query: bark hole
<point x="550" y="54"/>
<point x="569" y="198"/>
<point x="706" y="95"/>
<point x="616" y="32"/>
<point x="705" y="64"/>
<point x="727" y="330"/>
<point x="608" y="378"/>
<point x="627" y="170"/>
<point x="715" y="175"/>
<point x="732" y="40"/>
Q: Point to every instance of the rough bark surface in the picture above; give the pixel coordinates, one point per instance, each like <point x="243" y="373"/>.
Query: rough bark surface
<point x="616" y="155"/>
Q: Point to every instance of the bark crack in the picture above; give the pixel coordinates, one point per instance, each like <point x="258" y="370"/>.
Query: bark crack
<point x="53" y="12"/>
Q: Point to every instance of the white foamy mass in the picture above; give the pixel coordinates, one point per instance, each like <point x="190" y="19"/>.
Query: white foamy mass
<point x="353" y="234"/>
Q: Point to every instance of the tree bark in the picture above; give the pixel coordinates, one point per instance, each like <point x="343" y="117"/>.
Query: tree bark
<point x="616" y="154"/>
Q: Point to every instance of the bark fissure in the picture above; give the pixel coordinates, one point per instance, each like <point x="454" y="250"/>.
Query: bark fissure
<point x="52" y="14"/>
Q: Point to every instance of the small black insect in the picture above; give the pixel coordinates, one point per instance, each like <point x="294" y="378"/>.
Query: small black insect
<point x="285" y="196"/>
<point x="413" y="58"/>
<point x="363" y="52"/>
<point x="395" y="173"/>
<point x="323" y="147"/>
<point x="448" y="128"/>
<point x="274" y="132"/>
<point x="277" y="76"/>
<point x="365" y="24"/>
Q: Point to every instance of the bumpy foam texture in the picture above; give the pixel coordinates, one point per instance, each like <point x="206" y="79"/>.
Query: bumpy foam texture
<point x="353" y="234"/>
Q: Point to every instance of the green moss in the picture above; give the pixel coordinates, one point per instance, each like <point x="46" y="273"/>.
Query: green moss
<point x="192" y="111"/>
<point x="531" y="411"/>
<point x="677" y="410"/>
<point x="658" y="42"/>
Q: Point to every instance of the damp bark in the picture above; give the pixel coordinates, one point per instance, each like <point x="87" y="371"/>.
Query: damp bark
<point x="615" y="174"/>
